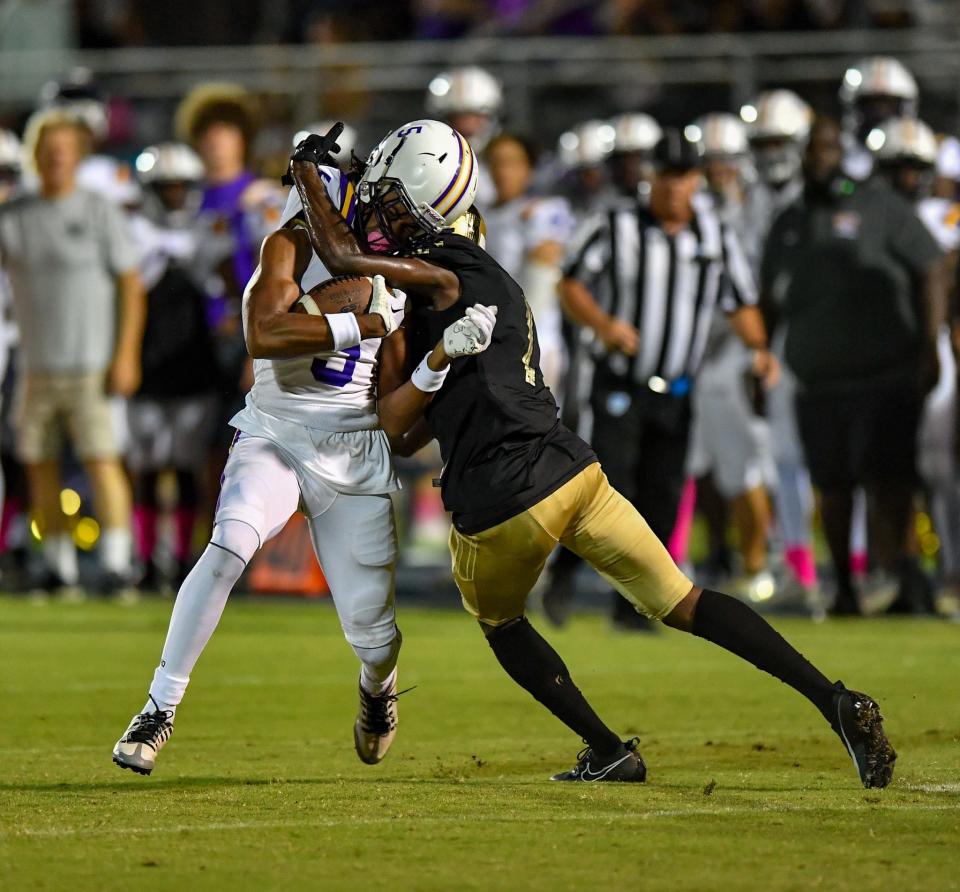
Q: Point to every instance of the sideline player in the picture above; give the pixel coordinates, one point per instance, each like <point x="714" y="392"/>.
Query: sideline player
<point x="309" y="439"/>
<point x="516" y="480"/>
<point x="526" y="235"/>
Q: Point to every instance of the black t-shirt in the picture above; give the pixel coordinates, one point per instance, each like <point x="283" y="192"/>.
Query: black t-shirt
<point x="178" y="356"/>
<point x="842" y="273"/>
<point x="502" y="444"/>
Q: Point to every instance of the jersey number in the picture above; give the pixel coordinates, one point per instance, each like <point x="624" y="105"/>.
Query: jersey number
<point x="336" y="377"/>
<point x="529" y="372"/>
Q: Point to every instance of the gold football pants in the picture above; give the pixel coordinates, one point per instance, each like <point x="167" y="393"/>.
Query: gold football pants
<point x="496" y="568"/>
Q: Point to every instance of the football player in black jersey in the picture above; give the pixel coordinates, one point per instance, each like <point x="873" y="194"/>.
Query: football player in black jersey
<point x="516" y="481"/>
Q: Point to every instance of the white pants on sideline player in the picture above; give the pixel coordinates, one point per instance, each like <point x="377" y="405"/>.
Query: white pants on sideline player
<point x="727" y="438"/>
<point x="937" y="459"/>
<point x="355" y="541"/>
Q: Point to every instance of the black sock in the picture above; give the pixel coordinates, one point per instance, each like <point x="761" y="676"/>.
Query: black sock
<point x="734" y="626"/>
<point x="534" y="665"/>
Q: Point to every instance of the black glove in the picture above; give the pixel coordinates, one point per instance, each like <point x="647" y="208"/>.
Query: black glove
<point x="316" y="149"/>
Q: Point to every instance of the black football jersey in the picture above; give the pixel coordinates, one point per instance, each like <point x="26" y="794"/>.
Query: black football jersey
<point x="178" y="353"/>
<point x="502" y="444"/>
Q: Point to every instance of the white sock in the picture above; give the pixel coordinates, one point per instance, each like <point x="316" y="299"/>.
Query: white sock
<point x="60" y="555"/>
<point x="152" y="706"/>
<point x="116" y="550"/>
<point x="372" y="685"/>
<point x="379" y="665"/>
<point x="198" y="608"/>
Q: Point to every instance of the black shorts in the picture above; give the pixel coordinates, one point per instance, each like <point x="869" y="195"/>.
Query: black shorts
<point x="863" y="438"/>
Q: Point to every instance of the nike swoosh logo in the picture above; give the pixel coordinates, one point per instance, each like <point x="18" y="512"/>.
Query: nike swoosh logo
<point x="589" y="775"/>
<point x="846" y="742"/>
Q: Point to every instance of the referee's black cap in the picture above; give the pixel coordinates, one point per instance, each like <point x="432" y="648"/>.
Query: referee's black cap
<point x="675" y="153"/>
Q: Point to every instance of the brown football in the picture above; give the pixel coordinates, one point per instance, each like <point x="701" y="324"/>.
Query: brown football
<point x="342" y="294"/>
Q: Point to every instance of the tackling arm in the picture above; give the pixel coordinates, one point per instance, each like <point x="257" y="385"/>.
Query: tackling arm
<point x="270" y="329"/>
<point x="401" y="403"/>
<point x="401" y="406"/>
<point x="338" y="249"/>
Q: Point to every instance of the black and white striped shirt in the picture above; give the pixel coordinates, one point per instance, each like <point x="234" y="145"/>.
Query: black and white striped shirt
<point x="667" y="287"/>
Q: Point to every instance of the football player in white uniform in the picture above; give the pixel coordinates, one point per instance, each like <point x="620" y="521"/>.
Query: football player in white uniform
<point x="873" y="90"/>
<point x="312" y="437"/>
<point x="171" y="417"/>
<point x="635" y="135"/>
<point x="527" y="235"/>
<point x="906" y="150"/>
<point x="729" y="440"/>
<point x="778" y="123"/>
<point x="470" y="100"/>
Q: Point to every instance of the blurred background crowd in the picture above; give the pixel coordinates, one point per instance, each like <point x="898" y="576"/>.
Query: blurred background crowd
<point x="645" y="163"/>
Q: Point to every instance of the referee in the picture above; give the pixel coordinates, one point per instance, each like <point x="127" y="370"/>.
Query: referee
<point x="646" y="280"/>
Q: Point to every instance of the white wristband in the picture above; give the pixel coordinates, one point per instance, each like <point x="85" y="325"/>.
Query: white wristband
<point x="426" y="379"/>
<point x="344" y="328"/>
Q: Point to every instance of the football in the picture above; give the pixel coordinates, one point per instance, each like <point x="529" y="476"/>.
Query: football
<point x="342" y="294"/>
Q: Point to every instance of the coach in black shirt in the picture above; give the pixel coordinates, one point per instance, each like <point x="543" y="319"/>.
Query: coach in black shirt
<point x="646" y="280"/>
<point x="857" y="279"/>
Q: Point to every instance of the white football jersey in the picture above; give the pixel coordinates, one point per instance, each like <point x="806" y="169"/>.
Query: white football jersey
<point x="331" y="391"/>
<point x="516" y="228"/>
<point x="942" y="217"/>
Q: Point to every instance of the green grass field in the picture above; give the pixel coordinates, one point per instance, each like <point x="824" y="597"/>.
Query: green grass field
<point x="260" y="788"/>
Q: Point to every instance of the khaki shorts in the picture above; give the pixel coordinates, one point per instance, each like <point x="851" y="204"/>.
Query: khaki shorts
<point x="496" y="568"/>
<point x="51" y="405"/>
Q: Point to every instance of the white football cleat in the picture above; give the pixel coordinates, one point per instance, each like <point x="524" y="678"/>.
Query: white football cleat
<point x="143" y="739"/>
<point x="376" y="723"/>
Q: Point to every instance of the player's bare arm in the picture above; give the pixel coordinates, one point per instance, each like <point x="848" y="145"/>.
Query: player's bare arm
<point x="124" y="374"/>
<point x="747" y="322"/>
<point x="401" y="403"/>
<point x="578" y="303"/>
<point x="339" y="250"/>
<point x="271" y="330"/>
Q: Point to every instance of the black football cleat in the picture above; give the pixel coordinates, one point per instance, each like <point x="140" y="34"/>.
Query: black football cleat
<point x="856" y="719"/>
<point x="625" y="765"/>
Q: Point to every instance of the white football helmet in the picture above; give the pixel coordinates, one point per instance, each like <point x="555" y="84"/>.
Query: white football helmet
<point x="79" y="94"/>
<point x="778" y="124"/>
<point x="169" y="162"/>
<point x="635" y="132"/>
<point x="876" y="89"/>
<point x="718" y="135"/>
<point x="465" y="90"/>
<point x="11" y="152"/>
<point x="879" y="76"/>
<point x="586" y="145"/>
<point x="429" y="168"/>
<point x="777" y="114"/>
<point x="903" y="140"/>
<point x="347" y="140"/>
